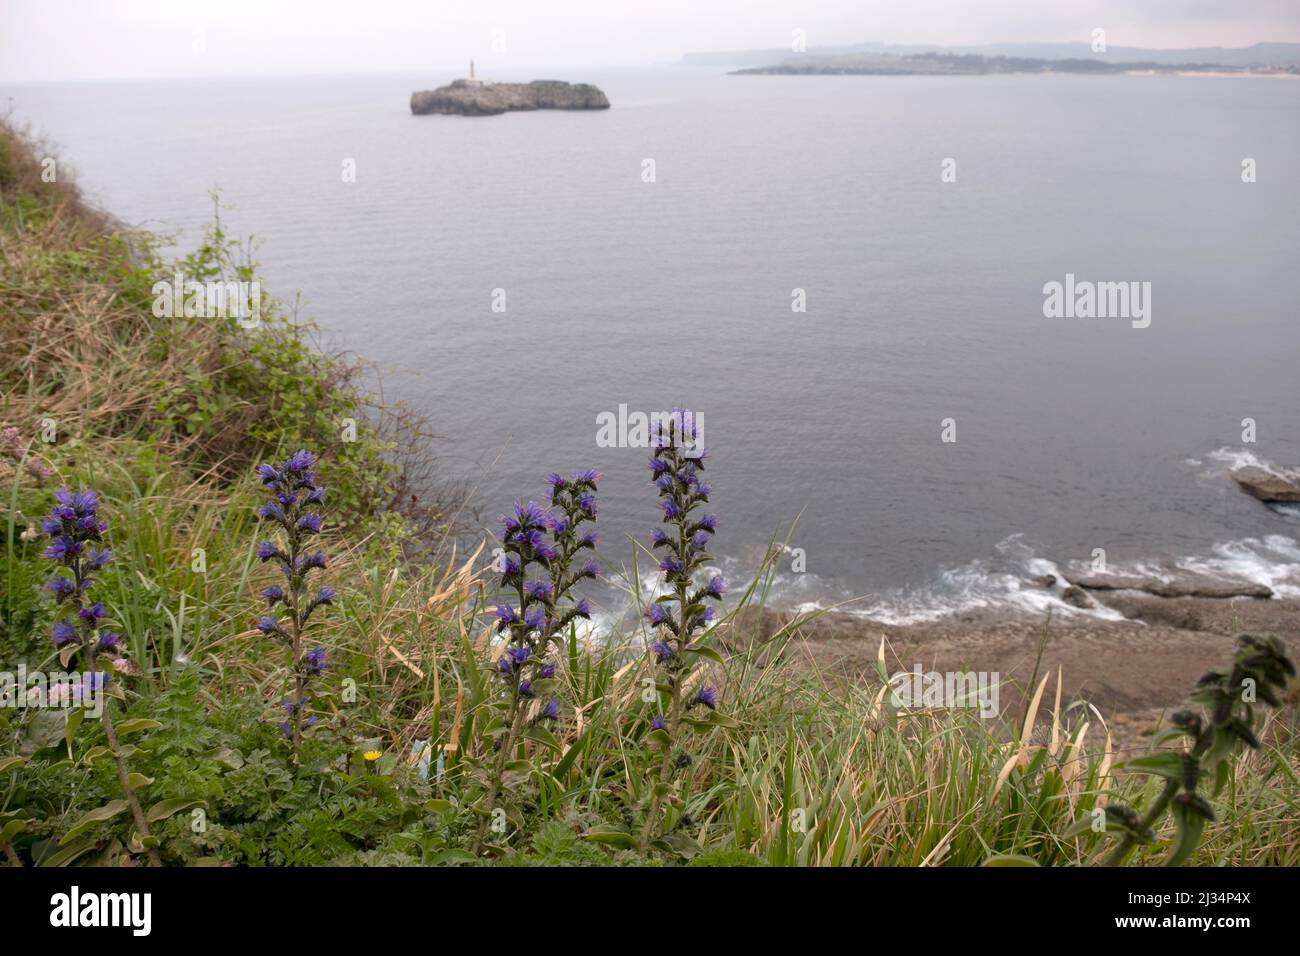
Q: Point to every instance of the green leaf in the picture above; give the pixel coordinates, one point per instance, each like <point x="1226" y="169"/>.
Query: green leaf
<point x="95" y="753"/>
<point x="1188" y="838"/>
<point x="611" y="836"/>
<point x="127" y="727"/>
<point x="437" y="806"/>
<point x="68" y="854"/>
<point x="1221" y="773"/>
<point x="679" y="844"/>
<point x="137" y="780"/>
<point x="98" y="815"/>
<point x="11" y="763"/>
<point x="229" y="757"/>
<point x="452" y="857"/>
<point x="75" y="716"/>
<point x="164" y="809"/>
<point x="1010" y="859"/>
<point x="12" y="829"/>
<point x="543" y="736"/>
<point x="1081" y="825"/>
<point x="707" y="652"/>
<point x="1167" y="764"/>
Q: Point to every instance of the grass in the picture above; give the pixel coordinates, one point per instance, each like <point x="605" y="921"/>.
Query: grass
<point x="167" y="418"/>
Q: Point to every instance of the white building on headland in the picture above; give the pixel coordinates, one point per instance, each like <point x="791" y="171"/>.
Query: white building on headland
<point x="470" y="80"/>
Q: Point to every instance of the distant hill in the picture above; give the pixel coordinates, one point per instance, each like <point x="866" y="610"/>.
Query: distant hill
<point x="1256" y="55"/>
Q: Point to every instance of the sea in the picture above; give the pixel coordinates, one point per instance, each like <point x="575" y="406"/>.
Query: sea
<point x="845" y="277"/>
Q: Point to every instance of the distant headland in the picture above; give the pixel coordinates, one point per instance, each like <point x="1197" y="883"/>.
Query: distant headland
<point x="474" y="97"/>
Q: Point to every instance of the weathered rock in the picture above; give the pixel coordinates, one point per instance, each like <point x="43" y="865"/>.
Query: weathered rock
<point x="467" y="98"/>
<point x="1044" y="581"/>
<point x="1179" y="587"/>
<point x="1267" y="485"/>
<point x="1076" y="596"/>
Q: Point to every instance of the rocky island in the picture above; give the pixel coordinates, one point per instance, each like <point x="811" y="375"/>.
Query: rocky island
<point x="474" y="97"/>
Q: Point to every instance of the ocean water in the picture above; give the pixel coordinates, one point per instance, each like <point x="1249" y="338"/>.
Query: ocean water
<point x="924" y="298"/>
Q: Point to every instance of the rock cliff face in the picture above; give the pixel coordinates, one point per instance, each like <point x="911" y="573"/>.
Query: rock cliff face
<point x="465" y="98"/>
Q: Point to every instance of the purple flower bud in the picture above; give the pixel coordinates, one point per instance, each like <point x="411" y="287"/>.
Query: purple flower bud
<point x="325" y="596"/>
<point x="548" y="671"/>
<point x="266" y="551"/>
<point x="582" y="608"/>
<point x="314" y="661"/>
<point x="706" y="697"/>
<point x="591" y="569"/>
<point x="538" y="589"/>
<point x="535" y="618"/>
<point x="658" y="723"/>
<point x="309" y="523"/>
<point x="61" y="587"/>
<point x="63" y="633"/>
<point x="300" y="462"/>
<point x="671" y="565"/>
<point x="268" y="624"/>
<point x="552" y="711"/>
<point x="273" y="594"/>
<point x="108" y="641"/>
<point x="63" y="548"/>
<point x="91" y="614"/>
<point x="716" y="587"/>
<point x="316" y="560"/>
<point x="657" y="613"/>
<point x="662" y="651"/>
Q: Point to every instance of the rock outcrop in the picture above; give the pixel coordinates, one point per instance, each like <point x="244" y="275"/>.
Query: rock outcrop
<point x="473" y="98"/>
<point x="1267" y="485"/>
<point x="1178" y="586"/>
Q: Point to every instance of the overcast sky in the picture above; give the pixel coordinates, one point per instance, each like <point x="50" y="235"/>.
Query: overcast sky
<point x="44" y="40"/>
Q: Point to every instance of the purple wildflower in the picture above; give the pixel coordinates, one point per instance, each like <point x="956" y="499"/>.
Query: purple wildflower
<point x="63" y="633"/>
<point x="706" y="697"/>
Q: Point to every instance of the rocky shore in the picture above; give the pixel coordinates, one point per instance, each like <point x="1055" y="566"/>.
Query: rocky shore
<point x="478" y="98"/>
<point x="1132" y="669"/>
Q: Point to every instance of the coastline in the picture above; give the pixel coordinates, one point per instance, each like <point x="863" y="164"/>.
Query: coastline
<point x="1132" y="669"/>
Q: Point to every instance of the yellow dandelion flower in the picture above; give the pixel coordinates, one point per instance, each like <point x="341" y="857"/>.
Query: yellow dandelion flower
<point x="372" y="755"/>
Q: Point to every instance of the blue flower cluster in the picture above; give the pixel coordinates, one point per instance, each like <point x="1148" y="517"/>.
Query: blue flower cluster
<point x="294" y="496"/>
<point x="546" y="551"/>
<point x="683" y="540"/>
<point x="76" y="546"/>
